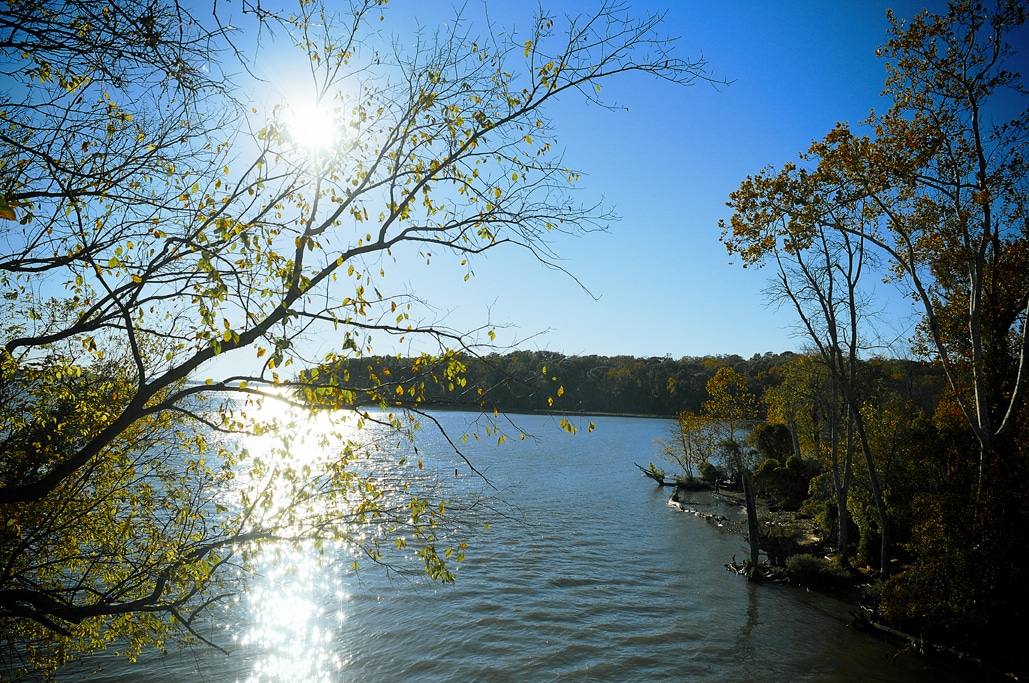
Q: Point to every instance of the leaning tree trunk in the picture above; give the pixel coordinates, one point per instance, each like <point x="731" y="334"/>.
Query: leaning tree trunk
<point x="752" y="527"/>
<point x="877" y="496"/>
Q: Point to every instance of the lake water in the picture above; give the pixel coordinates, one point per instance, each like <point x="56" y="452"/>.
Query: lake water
<point x="585" y="574"/>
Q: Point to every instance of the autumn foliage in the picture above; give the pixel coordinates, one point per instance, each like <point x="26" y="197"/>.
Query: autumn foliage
<point x="931" y="195"/>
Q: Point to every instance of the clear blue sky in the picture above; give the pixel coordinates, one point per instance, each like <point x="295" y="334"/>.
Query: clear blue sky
<point x="664" y="281"/>
<point x="659" y="280"/>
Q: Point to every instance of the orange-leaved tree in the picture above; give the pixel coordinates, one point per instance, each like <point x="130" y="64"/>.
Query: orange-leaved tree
<point x="938" y="187"/>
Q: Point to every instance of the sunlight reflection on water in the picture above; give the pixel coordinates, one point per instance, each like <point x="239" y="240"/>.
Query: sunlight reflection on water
<point x="295" y="602"/>
<point x="290" y="633"/>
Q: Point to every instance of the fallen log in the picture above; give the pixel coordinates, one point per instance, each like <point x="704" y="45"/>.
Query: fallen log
<point x="922" y="647"/>
<point x="656" y="474"/>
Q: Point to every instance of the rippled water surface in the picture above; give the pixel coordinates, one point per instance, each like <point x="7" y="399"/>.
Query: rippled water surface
<point x="585" y="574"/>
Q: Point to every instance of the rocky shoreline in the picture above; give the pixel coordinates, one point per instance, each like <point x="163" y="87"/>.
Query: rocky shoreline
<point x="798" y="556"/>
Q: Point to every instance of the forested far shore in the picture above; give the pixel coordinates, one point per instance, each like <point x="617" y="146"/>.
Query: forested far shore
<point x="547" y="381"/>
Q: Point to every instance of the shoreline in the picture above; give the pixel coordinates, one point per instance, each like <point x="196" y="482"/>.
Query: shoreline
<point x="852" y="588"/>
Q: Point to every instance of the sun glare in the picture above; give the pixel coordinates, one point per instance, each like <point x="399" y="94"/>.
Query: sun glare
<point x="291" y="632"/>
<point x="313" y="126"/>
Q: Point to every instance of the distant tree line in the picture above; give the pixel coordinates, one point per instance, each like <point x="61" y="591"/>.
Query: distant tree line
<point x="546" y="381"/>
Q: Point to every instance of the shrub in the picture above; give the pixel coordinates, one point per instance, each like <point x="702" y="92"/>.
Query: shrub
<point x="817" y="572"/>
<point x="784" y="483"/>
<point x="710" y="474"/>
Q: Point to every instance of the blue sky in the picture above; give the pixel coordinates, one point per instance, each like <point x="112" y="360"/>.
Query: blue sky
<point x="664" y="283"/>
<point x="659" y="282"/>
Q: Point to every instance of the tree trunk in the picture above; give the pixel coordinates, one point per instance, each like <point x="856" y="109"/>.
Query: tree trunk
<point x="752" y="527"/>
<point x="841" y="482"/>
<point x="796" y="440"/>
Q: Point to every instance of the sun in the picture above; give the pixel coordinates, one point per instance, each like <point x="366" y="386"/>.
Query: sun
<point x="313" y="126"/>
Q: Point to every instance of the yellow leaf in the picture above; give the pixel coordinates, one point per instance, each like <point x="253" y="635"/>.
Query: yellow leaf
<point x="6" y="211"/>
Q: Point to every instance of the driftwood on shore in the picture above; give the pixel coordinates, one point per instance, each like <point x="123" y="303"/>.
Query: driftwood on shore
<point x="757" y="572"/>
<point x="656" y="474"/>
